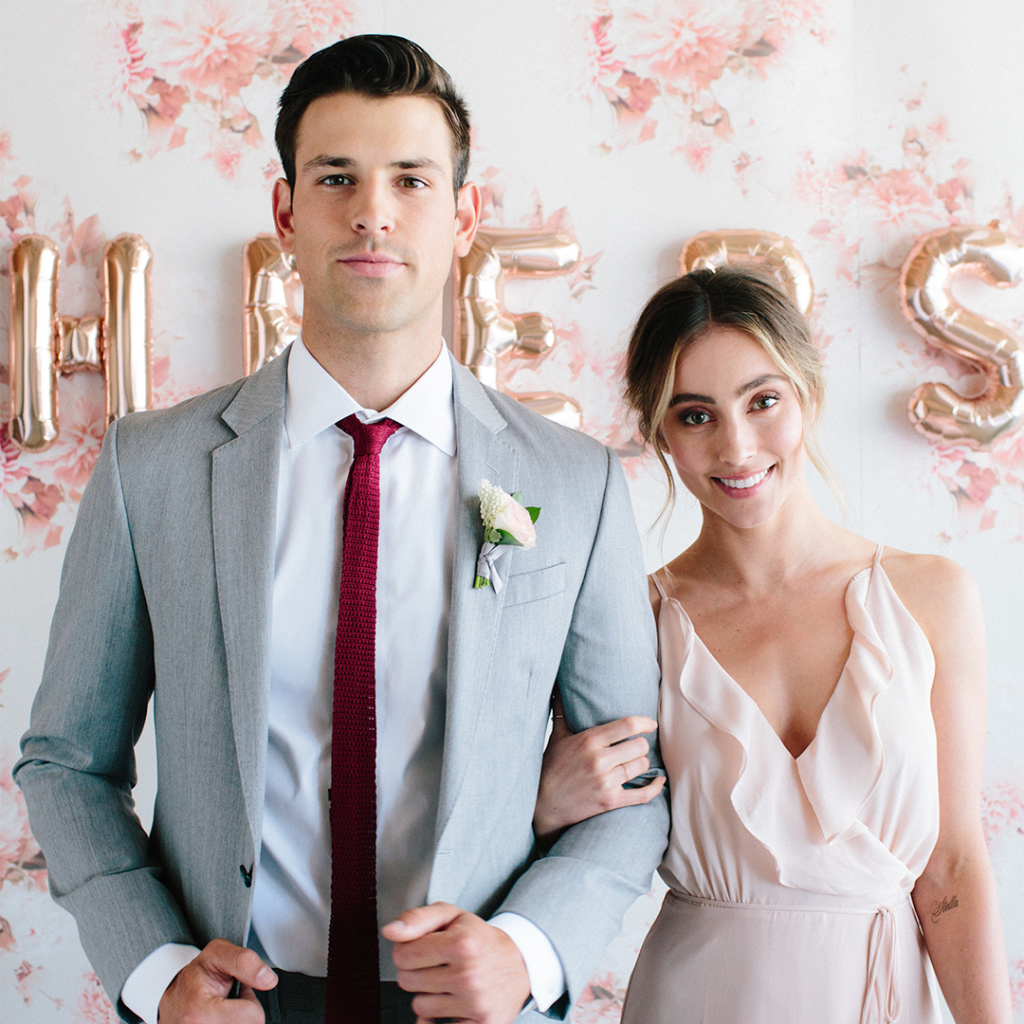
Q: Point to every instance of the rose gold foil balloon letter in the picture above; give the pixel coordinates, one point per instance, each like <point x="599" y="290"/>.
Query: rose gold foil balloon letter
<point x="936" y="410"/>
<point x="34" y="267"/>
<point x="269" y="282"/>
<point x="128" y="331"/>
<point x="42" y="343"/>
<point x="772" y="253"/>
<point x="488" y="335"/>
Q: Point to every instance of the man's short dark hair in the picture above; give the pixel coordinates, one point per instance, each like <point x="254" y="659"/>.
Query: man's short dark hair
<point x="373" y="65"/>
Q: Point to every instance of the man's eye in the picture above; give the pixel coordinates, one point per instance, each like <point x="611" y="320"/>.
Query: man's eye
<point x="412" y="183"/>
<point x="336" y="179"/>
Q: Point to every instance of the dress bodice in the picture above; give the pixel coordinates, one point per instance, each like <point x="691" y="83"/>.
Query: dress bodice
<point x="853" y="818"/>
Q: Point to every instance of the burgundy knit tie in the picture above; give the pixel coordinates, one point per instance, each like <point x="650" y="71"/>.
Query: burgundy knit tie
<point x="353" y="975"/>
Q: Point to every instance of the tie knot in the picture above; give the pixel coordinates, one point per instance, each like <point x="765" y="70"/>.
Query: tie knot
<point x="368" y="438"/>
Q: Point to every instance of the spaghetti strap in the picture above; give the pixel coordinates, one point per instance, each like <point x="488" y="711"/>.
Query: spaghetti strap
<point x="658" y="586"/>
<point x="878" y="556"/>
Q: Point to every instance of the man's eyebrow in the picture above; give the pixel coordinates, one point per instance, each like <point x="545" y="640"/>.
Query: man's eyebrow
<point x="323" y="160"/>
<point x="411" y="164"/>
<point x="708" y="400"/>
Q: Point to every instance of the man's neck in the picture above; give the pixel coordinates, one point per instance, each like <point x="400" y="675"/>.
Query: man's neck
<point x="375" y="369"/>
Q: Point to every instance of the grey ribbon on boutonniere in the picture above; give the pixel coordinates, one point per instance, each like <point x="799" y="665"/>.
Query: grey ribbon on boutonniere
<point x="507" y="522"/>
<point x="487" y="566"/>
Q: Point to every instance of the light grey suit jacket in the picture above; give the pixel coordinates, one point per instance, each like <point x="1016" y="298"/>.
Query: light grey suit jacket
<point x="166" y="594"/>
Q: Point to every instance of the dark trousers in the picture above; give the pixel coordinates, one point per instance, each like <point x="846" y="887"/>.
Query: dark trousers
<point x="300" y="999"/>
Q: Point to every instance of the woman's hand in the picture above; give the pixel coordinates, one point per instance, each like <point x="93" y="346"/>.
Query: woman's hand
<point x="583" y="773"/>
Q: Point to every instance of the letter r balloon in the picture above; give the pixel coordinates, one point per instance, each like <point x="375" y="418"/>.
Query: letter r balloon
<point x="43" y="344"/>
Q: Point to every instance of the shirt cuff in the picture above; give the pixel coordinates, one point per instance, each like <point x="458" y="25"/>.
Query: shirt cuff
<point x="145" y="986"/>
<point x="547" y="977"/>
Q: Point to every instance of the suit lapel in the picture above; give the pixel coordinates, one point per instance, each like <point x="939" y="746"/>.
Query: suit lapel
<point x="244" y="512"/>
<point x="474" y="616"/>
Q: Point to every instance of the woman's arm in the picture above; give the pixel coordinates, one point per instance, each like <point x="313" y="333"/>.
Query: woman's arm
<point x="583" y="773"/>
<point x="955" y="897"/>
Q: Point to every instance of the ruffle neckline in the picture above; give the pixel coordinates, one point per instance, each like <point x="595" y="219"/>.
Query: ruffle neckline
<point x="799" y="808"/>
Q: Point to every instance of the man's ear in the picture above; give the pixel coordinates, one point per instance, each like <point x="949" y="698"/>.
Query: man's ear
<point x="468" y="206"/>
<point x="283" y="218"/>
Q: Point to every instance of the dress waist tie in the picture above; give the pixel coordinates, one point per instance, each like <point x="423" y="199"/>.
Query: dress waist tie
<point x="882" y="988"/>
<point x="882" y="997"/>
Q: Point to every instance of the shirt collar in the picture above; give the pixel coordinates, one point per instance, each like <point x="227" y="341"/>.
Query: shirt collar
<point x="316" y="401"/>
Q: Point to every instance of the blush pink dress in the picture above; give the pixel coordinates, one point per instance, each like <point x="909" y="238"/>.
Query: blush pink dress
<point x="789" y="878"/>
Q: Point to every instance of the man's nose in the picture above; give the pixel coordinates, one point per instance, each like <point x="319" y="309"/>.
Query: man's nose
<point x="373" y="212"/>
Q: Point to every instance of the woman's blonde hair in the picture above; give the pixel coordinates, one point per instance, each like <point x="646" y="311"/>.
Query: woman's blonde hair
<point x="685" y="310"/>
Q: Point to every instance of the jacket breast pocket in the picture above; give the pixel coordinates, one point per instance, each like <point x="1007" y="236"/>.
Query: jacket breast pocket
<point x="524" y="587"/>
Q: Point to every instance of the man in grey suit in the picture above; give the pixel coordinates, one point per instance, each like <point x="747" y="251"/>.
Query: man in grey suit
<point x="203" y="574"/>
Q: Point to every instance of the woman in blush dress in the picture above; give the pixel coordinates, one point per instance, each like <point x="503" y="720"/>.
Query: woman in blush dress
<point x="822" y="712"/>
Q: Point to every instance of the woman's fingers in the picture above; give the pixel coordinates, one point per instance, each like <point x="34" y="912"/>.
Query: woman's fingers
<point x="643" y="794"/>
<point x="621" y="729"/>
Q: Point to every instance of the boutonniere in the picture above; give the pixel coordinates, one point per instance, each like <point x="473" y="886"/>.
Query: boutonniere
<point x="507" y="522"/>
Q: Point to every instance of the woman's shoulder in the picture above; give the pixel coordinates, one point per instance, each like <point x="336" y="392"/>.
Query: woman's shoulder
<point x="938" y="592"/>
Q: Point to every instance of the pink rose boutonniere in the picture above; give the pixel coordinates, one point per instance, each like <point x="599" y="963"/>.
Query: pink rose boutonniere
<point x="507" y="522"/>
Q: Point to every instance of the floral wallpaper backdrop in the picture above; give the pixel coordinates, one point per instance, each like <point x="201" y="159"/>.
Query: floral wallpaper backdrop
<point x="850" y="126"/>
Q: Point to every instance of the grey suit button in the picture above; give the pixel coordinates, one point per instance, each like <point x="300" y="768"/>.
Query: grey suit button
<point x="246" y="875"/>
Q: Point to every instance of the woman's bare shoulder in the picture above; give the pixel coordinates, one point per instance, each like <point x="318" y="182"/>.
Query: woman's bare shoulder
<point x="938" y="592"/>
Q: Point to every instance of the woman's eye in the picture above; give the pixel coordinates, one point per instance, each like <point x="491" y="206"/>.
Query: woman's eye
<point x="765" y="401"/>
<point x="694" y="417"/>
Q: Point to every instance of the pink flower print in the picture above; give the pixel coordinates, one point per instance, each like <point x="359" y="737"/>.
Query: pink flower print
<point x="600" y="1003"/>
<point x="12" y="473"/>
<point x="213" y="47"/>
<point x="93" y="1006"/>
<point x="82" y="426"/>
<point x="601" y="69"/>
<point x="1002" y="807"/>
<point x="899" y="198"/>
<point x="121" y="73"/>
<point x="14" y="834"/>
<point x="680" y="47"/>
<point x="19" y="209"/>
<point x="226" y="157"/>
<point x="303" y="26"/>
<point x="1017" y="984"/>
<point x="782" y="17"/>
<point x="953" y="194"/>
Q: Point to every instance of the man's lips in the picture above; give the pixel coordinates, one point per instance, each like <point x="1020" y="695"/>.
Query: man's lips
<point x="372" y="264"/>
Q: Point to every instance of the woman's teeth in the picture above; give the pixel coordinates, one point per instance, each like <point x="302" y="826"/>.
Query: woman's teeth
<point x="741" y="483"/>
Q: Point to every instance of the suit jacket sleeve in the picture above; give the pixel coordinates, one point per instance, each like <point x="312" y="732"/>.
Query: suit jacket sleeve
<point x="78" y="765"/>
<point x="578" y="893"/>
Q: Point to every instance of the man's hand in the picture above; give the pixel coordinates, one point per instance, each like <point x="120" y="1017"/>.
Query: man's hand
<point x="199" y="992"/>
<point x="461" y="966"/>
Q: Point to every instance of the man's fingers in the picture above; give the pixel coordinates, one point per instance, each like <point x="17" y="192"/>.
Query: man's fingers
<point x="420" y="921"/>
<point x="226" y="961"/>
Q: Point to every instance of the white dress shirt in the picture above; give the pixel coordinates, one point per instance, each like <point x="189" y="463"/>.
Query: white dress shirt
<point x="291" y="895"/>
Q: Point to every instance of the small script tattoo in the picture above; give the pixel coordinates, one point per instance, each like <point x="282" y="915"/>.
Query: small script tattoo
<point x="939" y="907"/>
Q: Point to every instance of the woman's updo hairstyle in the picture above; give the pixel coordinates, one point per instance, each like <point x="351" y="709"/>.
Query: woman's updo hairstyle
<point x="685" y="310"/>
